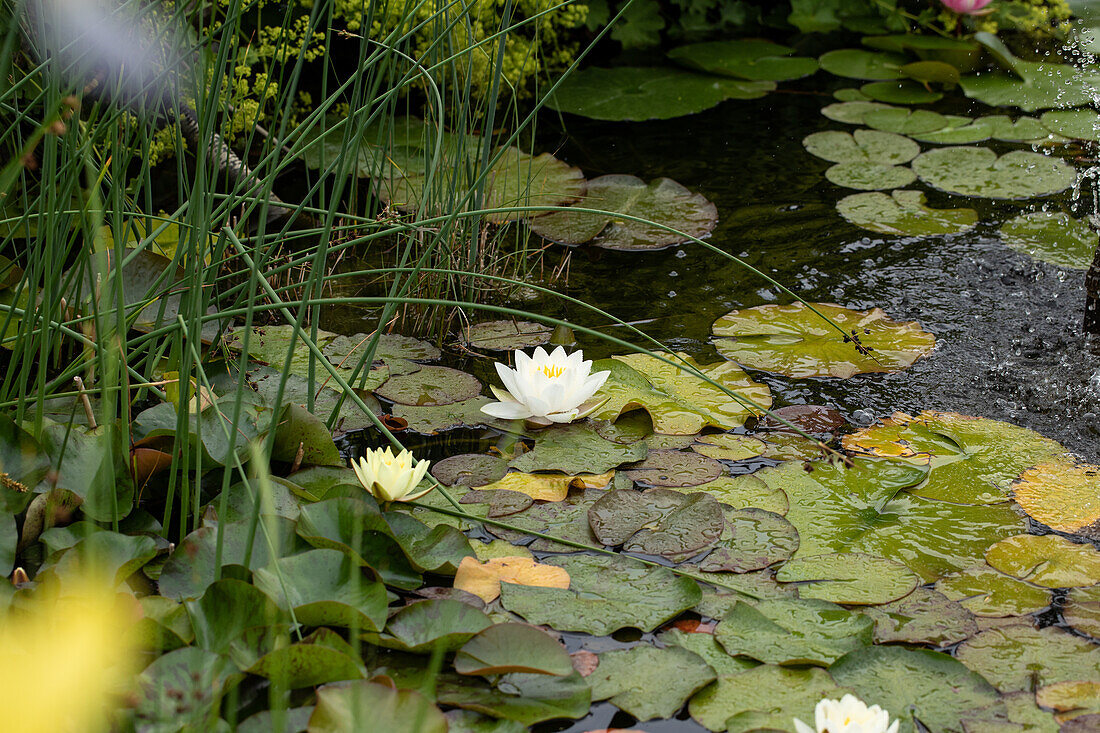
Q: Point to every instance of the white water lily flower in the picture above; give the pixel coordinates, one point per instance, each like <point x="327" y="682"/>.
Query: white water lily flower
<point x="848" y="715"/>
<point x="545" y="387"/>
<point x="389" y="477"/>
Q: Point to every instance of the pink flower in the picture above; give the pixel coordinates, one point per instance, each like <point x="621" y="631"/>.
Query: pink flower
<point x="966" y="7"/>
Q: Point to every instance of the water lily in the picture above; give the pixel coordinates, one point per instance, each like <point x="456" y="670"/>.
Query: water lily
<point x="389" y="477"/>
<point x="967" y="7"/>
<point x="848" y="715"/>
<point x="546" y="388"/>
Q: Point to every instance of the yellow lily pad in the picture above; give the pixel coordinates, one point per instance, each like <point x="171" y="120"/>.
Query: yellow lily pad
<point x="729" y="447"/>
<point x="992" y="594"/>
<point x="744" y="492"/>
<point x="484" y="579"/>
<point x="1049" y="560"/>
<point x="1070" y="699"/>
<point x="548" y="486"/>
<point x="1063" y="495"/>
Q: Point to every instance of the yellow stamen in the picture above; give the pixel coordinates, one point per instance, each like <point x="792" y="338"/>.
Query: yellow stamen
<point x="552" y="371"/>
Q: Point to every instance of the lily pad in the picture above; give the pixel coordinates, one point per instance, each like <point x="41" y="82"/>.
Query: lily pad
<point x="1053" y="237"/>
<point x="931" y="72"/>
<point x="1072" y="699"/>
<point x="605" y="594"/>
<point x="862" y="146"/>
<point x="796" y="341"/>
<point x="764" y="698"/>
<point x="1021" y="657"/>
<point x="484" y="579"/>
<point x="857" y="63"/>
<point x="430" y="386"/>
<point x="321" y="657"/>
<point x="904" y="121"/>
<point x="958" y="131"/>
<point x="502" y="502"/>
<point x="507" y="335"/>
<point x="1042" y="86"/>
<point x="469" y="469"/>
<point x="679" y="402"/>
<point x="423" y="626"/>
<point x="433" y="419"/>
<point x="1050" y="561"/>
<point x="547" y="486"/>
<point x="703" y="644"/>
<point x="924" y="616"/>
<point x="870" y="176"/>
<point x="753" y="539"/>
<point x="992" y="594"/>
<point x="914" y="684"/>
<point x="865" y="508"/>
<point x="903" y="213"/>
<point x="673" y="468"/>
<point x="662" y="201"/>
<point x="973" y="460"/>
<point x="636" y="94"/>
<point x="972" y="171"/>
<point x="576" y="448"/>
<point x="656" y="521"/>
<point x="525" y="698"/>
<point x="728" y="447"/>
<point x="900" y="92"/>
<point x="1079" y="124"/>
<point x="344" y="706"/>
<point x="1084" y="617"/>
<point x="745" y="58"/>
<point x="793" y="631"/>
<point x="566" y="519"/>
<point x="347" y="351"/>
<point x="851" y="578"/>
<point x="506" y="648"/>
<point x="648" y="682"/>
<point x="743" y="492"/>
<point x="184" y="688"/>
<point x="852" y="112"/>
<point x="1063" y="495"/>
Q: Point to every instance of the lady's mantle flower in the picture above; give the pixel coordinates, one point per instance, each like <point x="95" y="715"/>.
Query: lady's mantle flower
<point x="848" y="715"/>
<point x="545" y="387"/>
<point x="966" y="7"/>
<point x="390" y="477"/>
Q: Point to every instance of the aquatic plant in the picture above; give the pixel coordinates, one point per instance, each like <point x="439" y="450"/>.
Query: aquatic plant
<point x="546" y="388"/>
<point x="849" y="714"/>
<point x="390" y="477"/>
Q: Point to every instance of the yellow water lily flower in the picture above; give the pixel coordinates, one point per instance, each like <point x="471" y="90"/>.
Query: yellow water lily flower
<point x="546" y="387"/>
<point x="849" y="714"/>
<point x="389" y="477"/>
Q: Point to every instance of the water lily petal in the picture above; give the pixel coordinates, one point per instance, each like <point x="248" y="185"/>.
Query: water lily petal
<point x="562" y="417"/>
<point x="591" y="386"/>
<point x="507" y="410"/>
<point x="508" y="376"/>
<point x="801" y="727"/>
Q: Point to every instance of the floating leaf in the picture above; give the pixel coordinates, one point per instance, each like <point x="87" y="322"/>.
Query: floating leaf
<point x="992" y="594"/>
<point x="236" y="619"/>
<point x="184" y="688"/>
<point x="107" y="557"/>
<point x="297" y="391"/>
<point x="93" y="465"/>
<point x="469" y="469"/>
<point x="857" y="63"/>
<point x="866" y="508"/>
<point x="631" y="93"/>
<point x="958" y="131"/>
<point x="344" y="706"/>
<point x="973" y="460"/>
<point x="664" y="202"/>
<point x="793" y="631"/>
<point x="679" y="402"/>
<point x="321" y="657"/>
<point x="870" y="176"/>
<point x="507" y="335"/>
<point x="1083" y="615"/>
<point x="1079" y="124"/>
<point x="506" y="648"/>
<point x="1043" y="86"/>
<point x="502" y="502"/>
<point x="526" y="698"/>
<point x="298" y="431"/>
<point x="468" y="721"/>
<point x="605" y="594"/>
<point x="1077" y="698"/>
<point x="796" y="341"/>
<point x="924" y="616"/>
<point x="852" y="112"/>
<point x="743" y="492"/>
<point x="728" y="447"/>
<point x="753" y="539"/>
<point x="904" y="121"/>
<point x="851" y="577"/>
<point x="434" y="419"/>
<point x="673" y="468"/>
<point x="1018" y="174"/>
<point x="931" y="72"/>
<point x="745" y="58"/>
<point x="648" y="682"/>
<point x="566" y="519"/>
<point x="767" y="697"/>
<point x="1050" y="561"/>
<point x="656" y="521"/>
<point x="759" y="585"/>
<point x="903" y="213"/>
<point x="862" y="146"/>
<point x="484" y="579"/>
<point x="707" y="647"/>
<point x="1021" y="657"/>
<point x="914" y="683"/>
<point x="430" y="386"/>
<point x="1063" y="495"/>
<point x="900" y="92"/>
<point x="547" y="486"/>
<point x="576" y="448"/>
<point x="423" y="626"/>
<point x="1053" y="237"/>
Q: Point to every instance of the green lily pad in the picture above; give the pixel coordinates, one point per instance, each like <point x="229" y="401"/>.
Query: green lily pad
<point x="744" y="492"/>
<point x="796" y="341"/>
<point x="707" y="647"/>
<point x="990" y="593"/>
<point x="1053" y="237"/>
<point x="648" y="682"/>
<point x="728" y="447"/>
<point x="506" y="648"/>
<point x="793" y="631"/>
<point x="324" y="588"/>
<point x="679" y="402"/>
<point x="507" y="335"/>
<point x="300" y="432"/>
<point x="862" y="146"/>
<point x="850" y="94"/>
<point x="784" y="446"/>
<point x="958" y="131"/>
<point x="931" y="72"/>
<point x="745" y="58"/>
<point x="347" y="351"/>
<point x="502" y="502"/>
<point x="1042" y="86"/>
<point x="753" y="539"/>
<point x="1083" y="616"/>
<point x="972" y="460"/>
<point x="238" y="620"/>
<point x="468" y="721"/>
<point x="866" y="508"/>
<point x="662" y="201"/>
<point x="900" y="92"/>
<point x="924" y="616"/>
<point x="430" y="386"/>
<point x="656" y="521"/>
<point x="296" y="391"/>
<point x="1072" y="699"/>
<point x="852" y="112"/>
<point x="904" y="121"/>
<point x="1079" y="124"/>
<point x="344" y="706"/>
<point x="737" y="587"/>
<point x="469" y="469"/>
<point x="525" y="698"/>
<point x="604" y="594"/>
<point x="1021" y="657"/>
<point x="94" y="465"/>
<point x="321" y="657"/>
<point x="1020" y="130"/>
<point x="979" y="172"/>
<point x="184" y="688"/>
<point x="636" y="94"/>
<point x="1050" y="561"/>
<point x="164" y="625"/>
<point x="764" y="698"/>
<point x="857" y="63"/>
<point x="1062" y="494"/>
<point x="576" y="448"/>
<point x="567" y="520"/>
<point x="433" y="419"/>
<point x="870" y="176"/>
<point x="914" y="683"/>
<point x="421" y="626"/>
<point x="108" y="557"/>
<point x="673" y="468"/>
<point x="851" y="578"/>
<point x="903" y="213"/>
